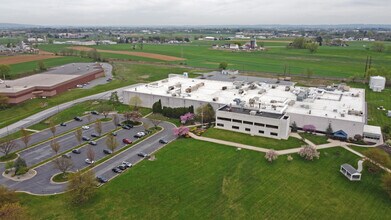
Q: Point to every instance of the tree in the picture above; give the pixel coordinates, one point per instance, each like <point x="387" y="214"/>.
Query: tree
<point x="52" y="127"/>
<point x="63" y="165"/>
<point x="312" y="47"/>
<point x="79" y="135"/>
<point x="90" y="153"/>
<point x="127" y="116"/>
<point x="82" y="186"/>
<point x="309" y="152"/>
<point x="157" y="107"/>
<point x="10" y="207"/>
<point x="223" y="65"/>
<point x="55" y="146"/>
<point x="378" y="157"/>
<point x="386" y="183"/>
<point x="156" y="119"/>
<point x="294" y="127"/>
<point x="206" y="113"/>
<point x="298" y="43"/>
<point x="378" y="47"/>
<point x="114" y="99"/>
<point x="5" y="71"/>
<point x="26" y="137"/>
<point x="181" y="131"/>
<point x="319" y="40"/>
<point x="135" y="116"/>
<point x="3" y="101"/>
<point x="329" y="130"/>
<point x="7" y="146"/>
<point x="134" y="103"/>
<point x="89" y="118"/>
<point x="115" y="119"/>
<point x="93" y="54"/>
<point x="186" y="117"/>
<point x="98" y="127"/>
<point x="111" y="142"/>
<point x="20" y="166"/>
<point x="105" y="109"/>
<point x="41" y="66"/>
<point x="271" y="155"/>
<point x="7" y="195"/>
<point x="309" y="128"/>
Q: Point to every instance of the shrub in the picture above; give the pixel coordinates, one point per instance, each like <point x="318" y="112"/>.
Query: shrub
<point x="309" y="128"/>
<point x="386" y="183"/>
<point x="309" y="152"/>
<point x="289" y="158"/>
<point x="378" y="156"/>
<point x="271" y="155"/>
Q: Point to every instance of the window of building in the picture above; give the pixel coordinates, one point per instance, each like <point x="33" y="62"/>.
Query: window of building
<point x="247" y="122"/>
<point x="235" y="127"/>
<point x="261" y="132"/>
<point x="223" y="119"/>
<point x="247" y="129"/>
<point x="273" y="134"/>
<point x="259" y="124"/>
<point x="237" y="121"/>
<point x="272" y="126"/>
<point x="220" y="125"/>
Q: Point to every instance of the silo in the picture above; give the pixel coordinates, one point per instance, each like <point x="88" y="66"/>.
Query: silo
<point x="377" y="83"/>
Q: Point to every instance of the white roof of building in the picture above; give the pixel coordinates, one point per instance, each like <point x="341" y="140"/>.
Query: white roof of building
<point x="267" y="97"/>
<point x="369" y="129"/>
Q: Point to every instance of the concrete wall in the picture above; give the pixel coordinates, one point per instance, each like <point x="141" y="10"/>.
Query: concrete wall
<point x="282" y="131"/>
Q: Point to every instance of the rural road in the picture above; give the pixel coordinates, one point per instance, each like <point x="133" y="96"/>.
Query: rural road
<point x="33" y="119"/>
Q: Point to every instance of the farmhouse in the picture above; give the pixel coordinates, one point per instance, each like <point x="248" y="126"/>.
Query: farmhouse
<point x="264" y="108"/>
<point x="50" y="83"/>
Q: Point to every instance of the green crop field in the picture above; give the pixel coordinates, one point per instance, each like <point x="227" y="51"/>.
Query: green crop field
<point x="27" y="67"/>
<point x="256" y="141"/>
<point x="226" y="184"/>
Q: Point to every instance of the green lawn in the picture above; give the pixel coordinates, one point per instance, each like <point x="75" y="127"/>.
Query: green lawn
<point x="30" y="67"/>
<point x="255" y="141"/>
<point x="125" y="74"/>
<point x="366" y="150"/>
<point x="316" y="139"/>
<point x="199" y="180"/>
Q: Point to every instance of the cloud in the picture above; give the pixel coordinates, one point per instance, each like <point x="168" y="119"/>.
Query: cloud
<point x="194" y="12"/>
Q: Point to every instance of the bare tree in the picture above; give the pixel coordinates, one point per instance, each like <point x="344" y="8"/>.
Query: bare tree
<point x="156" y="119"/>
<point x="79" y="135"/>
<point x="127" y="116"/>
<point x="98" y="127"/>
<point x="7" y="146"/>
<point x="135" y="115"/>
<point x="89" y="118"/>
<point x="55" y="146"/>
<point x="90" y="153"/>
<point x="115" y="119"/>
<point x="111" y="142"/>
<point x="63" y="164"/>
<point x="26" y="137"/>
<point x="105" y="109"/>
<point x="52" y="127"/>
<point x="134" y="103"/>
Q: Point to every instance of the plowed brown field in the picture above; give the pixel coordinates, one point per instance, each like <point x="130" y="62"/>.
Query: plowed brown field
<point x="24" y="58"/>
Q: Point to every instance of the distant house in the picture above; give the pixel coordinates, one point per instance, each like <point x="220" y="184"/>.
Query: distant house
<point x="234" y="47"/>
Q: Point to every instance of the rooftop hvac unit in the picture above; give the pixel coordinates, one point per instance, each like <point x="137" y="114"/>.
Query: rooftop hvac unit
<point x="178" y="85"/>
<point x="171" y="87"/>
<point x="253" y="112"/>
<point x="287" y="88"/>
<point x="215" y="99"/>
<point x="261" y="91"/>
<point x="291" y="102"/>
<point x="224" y="88"/>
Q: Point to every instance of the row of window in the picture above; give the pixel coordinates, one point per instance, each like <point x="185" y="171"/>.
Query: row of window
<point x="248" y="122"/>
<point x="248" y="129"/>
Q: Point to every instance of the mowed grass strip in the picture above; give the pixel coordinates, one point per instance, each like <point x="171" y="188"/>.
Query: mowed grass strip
<point x="316" y="139"/>
<point x="256" y="141"/>
<point x="198" y="180"/>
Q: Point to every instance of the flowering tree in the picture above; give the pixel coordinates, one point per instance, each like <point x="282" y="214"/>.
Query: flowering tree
<point x="181" y="131"/>
<point x="309" y="152"/>
<point x="271" y="155"/>
<point x="309" y="128"/>
<point x="186" y="117"/>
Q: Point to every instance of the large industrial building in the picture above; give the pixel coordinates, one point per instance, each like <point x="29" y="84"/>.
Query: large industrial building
<point x="263" y="108"/>
<point x="50" y="83"/>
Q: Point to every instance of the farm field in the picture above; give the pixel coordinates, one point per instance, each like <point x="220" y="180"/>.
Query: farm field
<point x="256" y="141"/>
<point x="24" y="58"/>
<point x="125" y="74"/>
<point x="226" y="184"/>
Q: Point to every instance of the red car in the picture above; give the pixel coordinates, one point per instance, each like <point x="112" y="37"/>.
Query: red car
<point x="127" y="141"/>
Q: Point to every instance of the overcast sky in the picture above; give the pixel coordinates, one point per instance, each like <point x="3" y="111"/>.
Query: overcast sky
<point x="194" y="12"/>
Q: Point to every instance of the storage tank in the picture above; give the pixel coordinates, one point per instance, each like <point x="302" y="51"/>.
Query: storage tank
<point x="377" y="83"/>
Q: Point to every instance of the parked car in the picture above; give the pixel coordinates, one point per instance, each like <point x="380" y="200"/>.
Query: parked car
<point x="106" y="151"/>
<point x="85" y="127"/>
<point x="126" y="141"/>
<point x="116" y="170"/>
<point x="94" y="112"/>
<point x="109" y="79"/>
<point x="88" y="161"/>
<point x="85" y="138"/>
<point x="114" y="133"/>
<point x="143" y="154"/>
<point x="66" y="156"/>
<point x="76" y="151"/>
<point x="122" y="167"/>
<point x="127" y="164"/>
<point x="102" y="179"/>
<point x="93" y="143"/>
<point x="78" y="118"/>
<point x="127" y="127"/>
<point x="94" y="135"/>
<point x="139" y="134"/>
<point x="63" y="124"/>
<point x="163" y="141"/>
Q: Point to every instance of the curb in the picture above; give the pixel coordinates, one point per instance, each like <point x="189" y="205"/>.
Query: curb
<point x="16" y="180"/>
